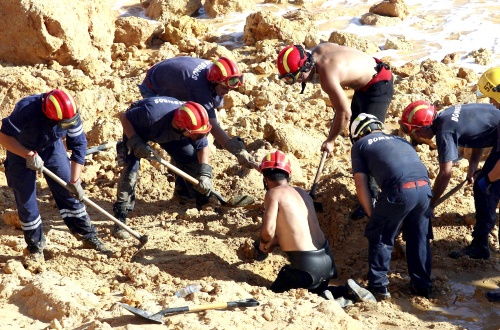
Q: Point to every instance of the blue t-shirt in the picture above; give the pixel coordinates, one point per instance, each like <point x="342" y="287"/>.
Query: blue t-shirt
<point x="152" y="121"/>
<point x="390" y="159"/>
<point x="29" y="125"/>
<point x="185" y="78"/>
<point x="469" y="125"/>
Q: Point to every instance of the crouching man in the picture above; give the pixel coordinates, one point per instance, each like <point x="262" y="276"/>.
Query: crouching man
<point x="291" y="223"/>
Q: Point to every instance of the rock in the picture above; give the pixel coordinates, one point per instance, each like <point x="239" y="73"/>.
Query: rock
<point x="354" y="41"/>
<point x="11" y="218"/>
<point x="133" y="31"/>
<point x="391" y="8"/>
<point x="67" y="32"/>
<point x="163" y="10"/>
<point x="214" y="8"/>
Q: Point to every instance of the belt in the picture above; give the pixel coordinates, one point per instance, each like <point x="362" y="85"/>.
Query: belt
<point x="414" y="184"/>
<point x="147" y="81"/>
<point x="383" y="74"/>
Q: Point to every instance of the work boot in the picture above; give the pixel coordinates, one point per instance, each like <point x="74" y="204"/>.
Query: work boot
<point x="327" y="295"/>
<point x="96" y="244"/>
<point x="33" y="255"/>
<point x="360" y="293"/>
<point x="472" y="251"/>
<point x="344" y="302"/>
<point x="119" y="232"/>
<point x="380" y="292"/>
<point x="426" y="292"/>
<point x="493" y="296"/>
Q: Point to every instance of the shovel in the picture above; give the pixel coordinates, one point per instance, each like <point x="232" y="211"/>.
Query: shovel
<point x="454" y="190"/>
<point x="142" y="239"/>
<point x="158" y="317"/>
<point x="236" y="201"/>
<point x="101" y="147"/>
<point x="317" y="205"/>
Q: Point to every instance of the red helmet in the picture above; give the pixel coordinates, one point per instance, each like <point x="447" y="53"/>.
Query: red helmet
<point x="291" y="60"/>
<point x="417" y="114"/>
<point x="225" y="72"/>
<point x="59" y="105"/>
<point x="192" y="117"/>
<point x="276" y="160"/>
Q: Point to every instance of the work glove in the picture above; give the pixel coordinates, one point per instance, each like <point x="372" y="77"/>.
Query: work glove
<point x="204" y="178"/>
<point x="484" y="184"/>
<point x="34" y="162"/>
<point x="76" y="190"/>
<point x="139" y="148"/>
<point x="236" y="146"/>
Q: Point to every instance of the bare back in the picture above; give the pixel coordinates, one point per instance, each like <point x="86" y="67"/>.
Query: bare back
<point x="297" y="226"/>
<point x="347" y="66"/>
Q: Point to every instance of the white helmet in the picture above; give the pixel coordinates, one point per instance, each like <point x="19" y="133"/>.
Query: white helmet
<point x="364" y="124"/>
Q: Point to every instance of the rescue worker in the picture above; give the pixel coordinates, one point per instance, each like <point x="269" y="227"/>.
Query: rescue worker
<point x="487" y="189"/>
<point x="403" y="202"/>
<point x="340" y="67"/>
<point x="464" y="125"/>
<point x="291" y="223"/>
<point x="32" y="135"/>
<point x="181" y="130"/>
<point x="193" y="79"/>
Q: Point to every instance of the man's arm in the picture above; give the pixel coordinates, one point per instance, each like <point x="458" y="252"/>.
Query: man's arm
<point x="473" y="162"/>
<point x="268" y="230"/>
<point x="11" y="144"/>
<point x="363" y="192"/>
<point x="128" y="129"/>
<point x="219" y="134"/>
<point x="441" y="182"/>
<point x="203" y="155"/>
<point x="331" y="86"/>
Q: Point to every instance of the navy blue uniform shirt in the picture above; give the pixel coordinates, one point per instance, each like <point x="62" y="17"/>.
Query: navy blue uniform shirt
<point x="468" y="125"/>
<point x="185" y="78"/>
<point x="152" y="120"/>
<point x="390" y="159"/>
<point x="29" y="125"/>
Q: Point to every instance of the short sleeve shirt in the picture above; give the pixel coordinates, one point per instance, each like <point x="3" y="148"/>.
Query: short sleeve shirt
<point x="390" y="159"/>
<point x="152" y="121"/>
<point x="469" y="125"/>
<point x="185" y="78"/>
<point x="28" y="124"/>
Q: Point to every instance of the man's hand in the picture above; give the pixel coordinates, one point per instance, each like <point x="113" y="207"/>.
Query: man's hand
<point x="139" y="148"/>
<point x="76" y="190"/>
<point x="484" y="184"/>
<point x="236" y="146"/>
<point x="204" y="178"/>
<point x="328" y="146"/>
<point x="34" y="162"/>
<point x="247" y="160"/>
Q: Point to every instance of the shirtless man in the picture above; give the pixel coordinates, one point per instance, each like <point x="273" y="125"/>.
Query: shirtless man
<point x="338" y="68"/>
<point x="290" y="222"/>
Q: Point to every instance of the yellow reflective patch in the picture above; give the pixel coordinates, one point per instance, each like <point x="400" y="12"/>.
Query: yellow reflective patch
<point x="285" y="59"/>
<point x="57" y="106"/>
<point x="414" y="111"/>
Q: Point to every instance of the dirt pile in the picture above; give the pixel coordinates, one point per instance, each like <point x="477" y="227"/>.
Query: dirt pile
<point x="80" y="289"/>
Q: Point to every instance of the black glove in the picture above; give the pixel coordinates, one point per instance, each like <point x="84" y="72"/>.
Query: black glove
<point x="139" y="148"/>
<point x="235" y="145"/>
<point x="34" y="162"/>
<point x="76" y="190"/>
<point x="261" y="255"/>
<point x="204" y="177"/>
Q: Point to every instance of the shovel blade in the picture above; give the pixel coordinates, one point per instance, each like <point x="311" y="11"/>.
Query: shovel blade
<point x="158" y="318"/>
<point x="241" y="201"/>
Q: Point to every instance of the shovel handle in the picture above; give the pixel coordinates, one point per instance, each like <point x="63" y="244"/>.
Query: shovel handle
<point x="251" y="302"/>
<point x="183" y="174"/>
<point x="312" y="193"/>
<point x="143" y="239"/>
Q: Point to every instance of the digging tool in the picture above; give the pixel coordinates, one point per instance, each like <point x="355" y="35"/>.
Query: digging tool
<point x="236" y="201"/>
<point x="454" y="190"/>
<point x="158" y="317"/>
<point x="101" y="147"/>
<point x="142" y="239"/>
<point x="317" y="205"/>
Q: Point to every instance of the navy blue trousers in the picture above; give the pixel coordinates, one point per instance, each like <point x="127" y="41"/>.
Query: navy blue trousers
<point x="185" y="158"/>
<point x="486" y="204"/>
<point x="23" y="181"/>
<point x="410" y="209"/>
